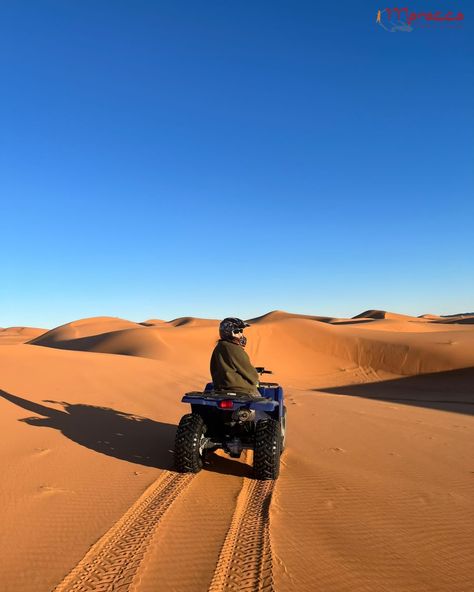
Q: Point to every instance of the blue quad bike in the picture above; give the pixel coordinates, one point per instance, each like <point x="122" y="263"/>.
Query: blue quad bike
<point x="233" y="422"/>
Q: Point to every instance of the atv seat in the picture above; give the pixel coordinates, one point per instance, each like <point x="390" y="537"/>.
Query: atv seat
<point x="267" y="390"/>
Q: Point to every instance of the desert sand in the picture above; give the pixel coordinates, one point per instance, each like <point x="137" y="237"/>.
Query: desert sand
<point x="376" y="491"/>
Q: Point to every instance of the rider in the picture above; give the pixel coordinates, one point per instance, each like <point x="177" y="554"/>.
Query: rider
<point x="231" y="369"/>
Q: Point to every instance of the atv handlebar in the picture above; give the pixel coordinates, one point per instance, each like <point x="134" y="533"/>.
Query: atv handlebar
<point x="261" y="370"/>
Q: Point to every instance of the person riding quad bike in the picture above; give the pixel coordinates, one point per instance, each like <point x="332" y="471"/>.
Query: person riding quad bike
<point x="234" y="412"/>
<point x="230" y="365"/>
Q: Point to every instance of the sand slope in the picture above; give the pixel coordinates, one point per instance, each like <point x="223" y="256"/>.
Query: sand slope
<point x="376" y="490"/>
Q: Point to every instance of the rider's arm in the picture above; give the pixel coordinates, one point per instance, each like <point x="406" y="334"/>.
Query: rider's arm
<point x="243" y="366"/>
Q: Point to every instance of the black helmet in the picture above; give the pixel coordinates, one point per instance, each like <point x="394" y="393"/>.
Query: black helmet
<point x="229" y="325"/>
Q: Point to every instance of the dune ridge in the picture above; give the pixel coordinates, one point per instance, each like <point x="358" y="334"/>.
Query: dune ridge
<point x="386" y="344"/>
<point x="381" y="314"/>
<point x="10" y="335"/>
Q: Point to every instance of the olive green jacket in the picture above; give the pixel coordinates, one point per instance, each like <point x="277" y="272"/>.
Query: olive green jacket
<point x="231" y="369"/>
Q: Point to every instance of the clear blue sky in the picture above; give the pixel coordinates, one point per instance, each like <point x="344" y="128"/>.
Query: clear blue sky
<point x="162" y="159"/>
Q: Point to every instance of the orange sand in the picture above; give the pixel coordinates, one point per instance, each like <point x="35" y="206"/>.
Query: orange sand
<point x="376" y="491"/>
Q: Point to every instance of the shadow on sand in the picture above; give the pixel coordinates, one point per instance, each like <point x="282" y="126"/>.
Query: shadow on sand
<point x="115" y="433"/>
<point x="108" y="431"/>
<point x="449" y="391"/>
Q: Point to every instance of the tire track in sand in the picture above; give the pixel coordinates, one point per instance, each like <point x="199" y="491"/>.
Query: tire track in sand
<point x="113" y="561"/>
<point x="245" y="560"/>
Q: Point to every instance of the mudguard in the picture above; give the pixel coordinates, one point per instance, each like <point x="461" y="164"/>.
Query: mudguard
<point x="197" y="398"/>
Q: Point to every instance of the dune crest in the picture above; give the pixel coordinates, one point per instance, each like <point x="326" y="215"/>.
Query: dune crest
<point x="377" y="341"/>
<point x="192" y="321"/>
<point x="11" y="335"/>
<point x="382" y="314"/>
<point x="278" y="315"/>
<point x="82" y="328"/>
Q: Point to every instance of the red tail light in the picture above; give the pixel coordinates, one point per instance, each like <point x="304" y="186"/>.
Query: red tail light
<point x="227" y="404"/>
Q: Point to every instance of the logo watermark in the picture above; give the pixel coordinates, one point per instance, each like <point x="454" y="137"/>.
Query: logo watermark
<point x="405" y="20"/>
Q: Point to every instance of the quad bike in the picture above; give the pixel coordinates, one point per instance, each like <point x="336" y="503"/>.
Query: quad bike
<point x="233" y="422"/>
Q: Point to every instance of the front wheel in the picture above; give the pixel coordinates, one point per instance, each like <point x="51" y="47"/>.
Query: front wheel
<point x="189" y="444"/>
<point x="266" y="455"/>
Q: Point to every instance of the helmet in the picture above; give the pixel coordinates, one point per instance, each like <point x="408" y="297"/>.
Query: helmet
<point x="228" y="326"/>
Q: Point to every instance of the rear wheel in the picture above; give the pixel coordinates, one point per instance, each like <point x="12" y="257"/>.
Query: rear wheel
<point x="283" y="430"/>
<point x="266" y="456"/>
<point x="189" y="443"/>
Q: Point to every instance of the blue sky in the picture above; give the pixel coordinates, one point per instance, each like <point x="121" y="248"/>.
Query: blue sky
<point x="163" y="159"/>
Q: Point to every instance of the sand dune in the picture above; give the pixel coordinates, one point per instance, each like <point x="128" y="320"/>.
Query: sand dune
<point x="376" y="482"/>
<point x="11" y="335"/>
<point x="152" y="322"/>
<point x="83" y="328"/>
<point x="382" y="314"/>
<point x="193" y="322"/>
<point x="464" y="319"/>
<point x="278" y="315"/>
<point x="129" y="342"/>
